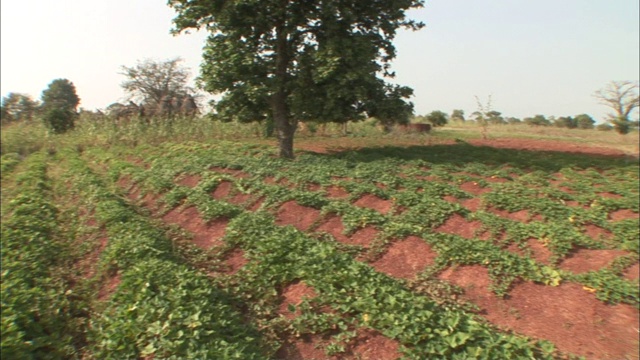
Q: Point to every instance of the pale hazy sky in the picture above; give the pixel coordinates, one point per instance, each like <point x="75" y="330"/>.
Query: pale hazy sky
<point x="532" y="56"/>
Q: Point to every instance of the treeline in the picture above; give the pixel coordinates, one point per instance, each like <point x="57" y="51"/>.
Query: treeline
<point x="57" y="106"/>
<point x="582" y="121"/>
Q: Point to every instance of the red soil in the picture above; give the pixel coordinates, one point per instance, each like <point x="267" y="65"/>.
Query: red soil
<point x="222" y="191"/>
<point x="109" y="287"/>
<point x="597" y="232"/>
<point x="234" y="261"/>
<point x="375" y="203"/>
<point x="473" y="188"/>
<point x="301" y="217"/>
<point x="547" y="145"/>
<point x="450" y="198"/>
<point x="188" y="180"/>
<point x="538" y="251"/>
<point x="371" y="345"/>
<point x="473" y="204"/>
<point x="294" y="294"/>
<point x="610" y="195"/>
<point x="334" y="226"/>
<point x="584" y="260"/>
<point x="623" y="215"/>
<point x="205" y="235"/>
<point x="569" y="316"/>
<point x="304" y="348"/>
<point x="406" y="258"/>
<point x="633" y="272"/>
<point x="367" y="345"/>
<point x="458" y="225"/>
<point x="335" y="192"/>
<point x="521" y="215"/>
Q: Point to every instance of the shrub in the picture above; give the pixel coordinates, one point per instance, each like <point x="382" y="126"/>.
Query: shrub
<point x="59" y="120"/>
<point x="604" y="127"/>
<point x="621" y="125"/>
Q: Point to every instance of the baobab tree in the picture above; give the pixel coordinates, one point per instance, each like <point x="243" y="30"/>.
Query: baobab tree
<point x="622" y="97"/>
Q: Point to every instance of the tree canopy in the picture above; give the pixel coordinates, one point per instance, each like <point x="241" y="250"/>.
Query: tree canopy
<point x="437" y="118"/>
<point x="286" y="61"/>
<point x="152" y="81"/>
<point x="59" y="103"/>
<point x="60" y="94"/>
<point x="18" y="107"/>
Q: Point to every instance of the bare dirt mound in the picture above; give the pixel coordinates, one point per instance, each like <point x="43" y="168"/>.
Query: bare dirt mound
<point x="335" y="228"/>
<point x="375" y="203"/>
<point x="584" y="260"/>
<point x="205" y="235"/>
<point x="567" y="315"/>
<point x="406" y="258"/>
<point x="458" y="225"/>
<point x="293" y="295"/>
<point x="301" y="217"/>
<point x="367" y="345"/>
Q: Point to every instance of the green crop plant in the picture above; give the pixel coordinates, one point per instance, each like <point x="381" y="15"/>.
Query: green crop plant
<point x="37" y="314"/>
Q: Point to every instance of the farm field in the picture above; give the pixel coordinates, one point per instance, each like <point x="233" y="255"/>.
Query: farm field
<point x="438" y="247"/>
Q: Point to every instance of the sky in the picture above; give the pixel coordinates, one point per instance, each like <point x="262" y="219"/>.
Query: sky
<point x="528" y="56"/>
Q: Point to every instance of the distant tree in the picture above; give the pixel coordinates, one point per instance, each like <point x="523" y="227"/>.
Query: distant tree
<point x="18" y="107"/>
<point x="151" y="81"/>
<point x="495" y="117"/>
<point x="565" y="122"/>
<point x="59" y="103"/>
<point x="622" y="97"/>
<point x="512" y="120"/>
<point x="538" y="120"/>
<point x="584" y="121"/>
<point x="290" y="61"/>
<point x="60" y="94"/>
<point x="437" y="118"/>
<point x="457" y="115"/>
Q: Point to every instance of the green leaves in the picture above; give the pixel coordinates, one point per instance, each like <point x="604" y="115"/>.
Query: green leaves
<point x="269" y="58"/>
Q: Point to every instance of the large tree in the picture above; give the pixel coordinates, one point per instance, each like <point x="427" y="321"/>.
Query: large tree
<point x="152" y="81"/>
<point x="289" y="61"/>
<point x="60" y="94"/>
<point x="59" y="103"/>
<point x="622" y="97"/>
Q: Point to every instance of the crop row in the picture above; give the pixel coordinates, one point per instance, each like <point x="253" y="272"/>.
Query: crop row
<point x="358" y="295"/>
<point x="161" y="306"/>
<point x="37" y="311"/>
<point x="561" y="228"/>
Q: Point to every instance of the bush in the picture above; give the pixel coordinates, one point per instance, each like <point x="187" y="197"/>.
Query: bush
<point x="604" y="127"/>
<point x="437" y="118"/>
<point x="622" y="126"/>
<point x="584" y="121"/>
<point x="59" y="120"/>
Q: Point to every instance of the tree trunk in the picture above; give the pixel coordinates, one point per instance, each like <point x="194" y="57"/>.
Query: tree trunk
<point x="284" y="126"/>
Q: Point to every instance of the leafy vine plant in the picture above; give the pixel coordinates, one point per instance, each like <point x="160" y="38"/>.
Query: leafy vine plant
<point x="482" y="116"/>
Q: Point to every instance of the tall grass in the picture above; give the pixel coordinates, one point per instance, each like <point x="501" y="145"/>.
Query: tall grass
<point x="26" y="138"/>
<point x="469" y="130"/>
<point x="23" y="138"/>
